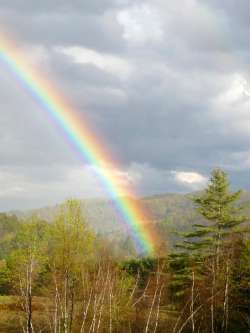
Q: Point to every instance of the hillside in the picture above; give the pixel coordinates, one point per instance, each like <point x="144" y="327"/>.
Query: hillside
<point x="170" y="213"/>
<point x="102" y="216"/>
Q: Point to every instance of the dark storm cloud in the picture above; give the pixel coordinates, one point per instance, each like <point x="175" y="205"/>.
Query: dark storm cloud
<point x="30" y="6"/>
<point x="73" y="25"/>
<point x="173" y="101"/>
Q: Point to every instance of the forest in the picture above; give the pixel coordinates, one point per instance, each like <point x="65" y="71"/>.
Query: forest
<point x="62" y="277"/>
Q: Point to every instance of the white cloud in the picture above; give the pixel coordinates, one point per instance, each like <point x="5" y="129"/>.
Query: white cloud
<point x="194" y="180"/>
<point x="150" y="180"/>
<point x="106" y="62"/>
<point x="141" y="24"/>
<point x="236" y="89"/>
<point x="231" y="106"/>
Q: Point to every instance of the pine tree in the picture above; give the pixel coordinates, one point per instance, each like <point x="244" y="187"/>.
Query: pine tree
<point x="207" y="252"/>
<point x="218" y="206"/>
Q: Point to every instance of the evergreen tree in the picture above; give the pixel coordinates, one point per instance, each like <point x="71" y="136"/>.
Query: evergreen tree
<point x="218" y="206"/>
<point x="221" y="218"/>
<point x="206" y="254"/>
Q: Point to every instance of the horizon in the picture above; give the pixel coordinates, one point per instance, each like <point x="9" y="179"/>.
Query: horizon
<point x="106" y="199"/>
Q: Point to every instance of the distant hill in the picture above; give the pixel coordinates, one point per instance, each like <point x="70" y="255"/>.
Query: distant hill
<point x="103" y="217"/>
<point x="169" y="213"/>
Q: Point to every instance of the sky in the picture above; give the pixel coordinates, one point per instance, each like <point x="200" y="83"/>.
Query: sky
<point x="164" y="85"/>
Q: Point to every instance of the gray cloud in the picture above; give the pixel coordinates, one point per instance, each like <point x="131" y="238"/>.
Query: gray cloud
<point x="94" y="6"/>
<point x="73" y="26"/>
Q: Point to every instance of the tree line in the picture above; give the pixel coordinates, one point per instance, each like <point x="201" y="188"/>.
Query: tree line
<point x="61" y="277"/>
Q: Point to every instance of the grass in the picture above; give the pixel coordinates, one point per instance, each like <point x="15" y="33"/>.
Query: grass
<point x="9" y="314"/>
<point x="12" y="315"/>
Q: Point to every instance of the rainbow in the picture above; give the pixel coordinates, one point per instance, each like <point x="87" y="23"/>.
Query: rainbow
<point x="90" y="148"/>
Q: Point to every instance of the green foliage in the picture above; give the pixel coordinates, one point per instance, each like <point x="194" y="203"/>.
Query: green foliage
<point x="144" y="266"/>
<point x="9" y="226"/>
<point x="67" y="274"/>
<point x="208" y="256"/>
<point x="5" y="278"/>
<point x="29" y="250"/>
<point x="241" y="274"/>
<point x="180" y="265"/>
<point x="71" y="244"/>
<point x="218" y="206"/>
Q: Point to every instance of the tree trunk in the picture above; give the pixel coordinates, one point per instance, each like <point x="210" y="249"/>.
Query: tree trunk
<point x="192" y="304"/>
<point x="212" y="296"/>
<point x="225" y="305"/>
<point x="29" y="297"/>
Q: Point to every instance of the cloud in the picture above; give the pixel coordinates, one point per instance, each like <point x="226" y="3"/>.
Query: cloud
<point x="20" y="189"/>
<point x="60" y="6"/>
<point x="232" y="106"/>
<point x="106" y="62"/>
<point x="164" y="85"/>
<point x="193" y="180"/>
<point x="53" y="26"/>
<point x="141" y="24"/>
